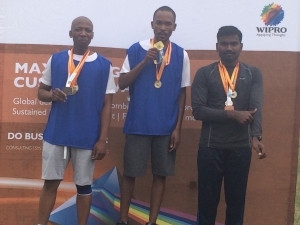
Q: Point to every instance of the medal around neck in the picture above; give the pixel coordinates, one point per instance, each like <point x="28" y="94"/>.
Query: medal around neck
<point x="73" y="73"/>
<point x="157" y="84"/>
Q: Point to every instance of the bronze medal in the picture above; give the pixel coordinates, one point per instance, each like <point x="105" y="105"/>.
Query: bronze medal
<point x="67" y="90"/>
<point x="157" y="84"/>
<point x="70" y="90"/>
<point x="229" y="105"/>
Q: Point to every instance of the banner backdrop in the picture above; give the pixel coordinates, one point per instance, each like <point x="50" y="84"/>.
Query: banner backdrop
<point x="30" y="31"/>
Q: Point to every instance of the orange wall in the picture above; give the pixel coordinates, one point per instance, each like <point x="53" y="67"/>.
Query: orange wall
<point x="271" y="189"/>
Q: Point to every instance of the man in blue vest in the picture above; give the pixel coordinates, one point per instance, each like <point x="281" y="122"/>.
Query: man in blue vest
<point x="157" y="72"/>
<point x="80" y="85"/>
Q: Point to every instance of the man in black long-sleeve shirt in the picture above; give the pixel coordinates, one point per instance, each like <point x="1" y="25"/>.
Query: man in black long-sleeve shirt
<point x="227" y="96"/>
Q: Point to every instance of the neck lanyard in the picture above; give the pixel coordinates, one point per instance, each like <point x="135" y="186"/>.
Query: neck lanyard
<point x="228" y="83"/>
<point x="73" y="72"/>
<point x="165" y="61"/>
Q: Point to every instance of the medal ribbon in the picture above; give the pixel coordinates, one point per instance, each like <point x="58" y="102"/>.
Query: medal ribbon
<point x="165" y="61"/>
<point x="226" y="80"/>
<point x="73" y="72"/>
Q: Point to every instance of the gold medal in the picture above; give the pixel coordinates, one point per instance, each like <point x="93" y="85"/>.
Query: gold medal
<point x="159" y="45"/>
<point x="157" y="84"/>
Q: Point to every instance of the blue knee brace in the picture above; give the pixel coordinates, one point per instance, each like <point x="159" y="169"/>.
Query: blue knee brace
<point x="84" y="190"/>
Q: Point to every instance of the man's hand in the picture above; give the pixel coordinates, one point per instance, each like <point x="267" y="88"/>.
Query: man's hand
<point x="151" y="54"/>
<point x="174" y="141"/>
<point x="259" y="148"/>
<point x="58" y="95"/>
<point x="243" y="117"/>
<point x="99" y="150"/>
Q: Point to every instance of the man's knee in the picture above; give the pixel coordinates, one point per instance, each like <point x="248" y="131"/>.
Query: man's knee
<point x="51" y="185"/>
<point x="84" y="190"/>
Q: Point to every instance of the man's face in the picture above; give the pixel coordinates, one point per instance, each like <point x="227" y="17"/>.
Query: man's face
<point x="163" y="25"/>
<point x="229" y="48"/>
<point x="82" y="32"/>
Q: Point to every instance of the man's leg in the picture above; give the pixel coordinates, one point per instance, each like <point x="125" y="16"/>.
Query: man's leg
<point x="53" y="167"/>
<point x="157" y="193"/>
<point x="83" y="169"/>
<point x="127" y="188"/>
<point x="47" y="200"/>
<point x="83" y="203"/>
<point x="136" y="153"/>
<point x="163" y="165"/>
<point x="235" y="184"/>
<point x="210" y="176"/>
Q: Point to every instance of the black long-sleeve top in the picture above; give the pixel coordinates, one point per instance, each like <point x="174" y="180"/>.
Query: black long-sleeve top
<point x="208" y="101"/>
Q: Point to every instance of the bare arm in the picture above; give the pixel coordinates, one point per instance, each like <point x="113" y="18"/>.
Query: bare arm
<point x="99" y="150"/>
<point x="175" y="137"/>
<point x="126" y="79"/>
<point x="46" y="94"/>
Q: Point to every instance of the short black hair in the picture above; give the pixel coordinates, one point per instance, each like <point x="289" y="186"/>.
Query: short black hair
<point x="229" y="30"/>
<point x="165" y="8"/>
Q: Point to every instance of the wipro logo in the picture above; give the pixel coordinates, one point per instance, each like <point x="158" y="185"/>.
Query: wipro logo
<point x="272" y="15"/>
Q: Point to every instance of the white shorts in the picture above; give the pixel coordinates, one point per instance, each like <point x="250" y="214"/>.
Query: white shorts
<point x="54" y="163"/>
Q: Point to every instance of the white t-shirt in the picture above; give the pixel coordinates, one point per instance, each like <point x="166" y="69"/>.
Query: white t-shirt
<point x="111" y="86"/>
<point x="186" y="78"/>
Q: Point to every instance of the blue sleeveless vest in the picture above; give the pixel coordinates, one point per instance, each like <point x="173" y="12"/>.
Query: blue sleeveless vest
<point x="154" y="111"/>
<point x="76" y="122"/>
